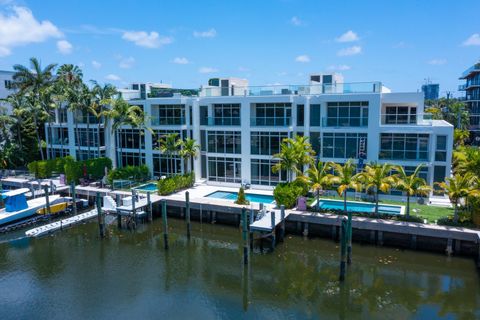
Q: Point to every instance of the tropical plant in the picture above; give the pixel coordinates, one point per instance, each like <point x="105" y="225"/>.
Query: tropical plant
<point x="287" y="193"/>
<point x="304" y="152"/>
<point x="241" y="199"/>
<point x="319" y="178"/>
<point x="458" y="187"/>
<point x="170" y="145"/>
<point x="377" y="177"/>
<point x="189" y="150"/>
<point x="411" y="184"/>
<point x="460" y="137"/>
<point x="102" y="98"/>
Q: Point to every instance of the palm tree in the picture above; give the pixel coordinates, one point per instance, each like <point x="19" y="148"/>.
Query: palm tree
<point x="379" y="178"/>
<point x="103" y="95"/>
<point x="304" y="151"/>
<point x="170" y="145"/>
<point x="411" y="184"/>
<point x="319" y="178"/>
<point x="458" y="187"/>
<point x="35" y="81"/>
<point x="189" y="150"/>
<point x="138" y="121"/>
<point x="287" y="159"/>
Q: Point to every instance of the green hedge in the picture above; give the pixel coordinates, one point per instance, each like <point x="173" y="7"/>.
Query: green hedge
<point x="44" y="168"/>
<point x="175" y="183"/>
<point x="288" y="193"/>
<point x="136" y="173"/>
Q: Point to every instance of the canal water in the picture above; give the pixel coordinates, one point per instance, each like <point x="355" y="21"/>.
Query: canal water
<point x="75" y="275"/>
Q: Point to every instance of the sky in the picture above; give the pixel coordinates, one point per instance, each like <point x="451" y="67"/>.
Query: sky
<point x="400" y="43"/>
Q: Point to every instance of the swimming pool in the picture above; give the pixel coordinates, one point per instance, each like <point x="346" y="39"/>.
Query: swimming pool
<point x="152" y="187"/>
<point x="359" y="207"/>
<point x="252" y="197"/>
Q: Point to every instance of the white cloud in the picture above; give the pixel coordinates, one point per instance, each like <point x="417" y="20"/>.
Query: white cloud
<point x="96" y="64"/>
<point x="303" y="58"/>
<point x="243" y="69"/>
<point x="296" y="21"/>
<point x="19" y="27"/>
<point x="207" y="70"/>
<point x="126" y="63"/>
<point x="180" y="60"/>
<point x="437" y="62"/>
<point x="212" y="33"/>
<point x="348" y="36"/>
<point x="340" y="67"/>
<point x="146" y="39"/>
<point x="64" y="47"/>
<point x="473" y="40"/>
<point x="350" y="51"/>
<point x="113" y="77"/>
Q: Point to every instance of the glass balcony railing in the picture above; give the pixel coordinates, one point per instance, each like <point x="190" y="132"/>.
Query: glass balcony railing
<point x="215" y="121"/>
<point x="345" y="122"/>
<point x="405" y="119"/>
<point x="338" y="88"/>
<point x="462" y="87"/>
<point x="270" y="122"/>
<point x="167" y="121"/>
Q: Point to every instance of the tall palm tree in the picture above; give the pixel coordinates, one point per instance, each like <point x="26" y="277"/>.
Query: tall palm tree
<point x="35" y="81"/>
<point x="458" y="187"/>
<point x="378" y="177"/>
<point x="103" y="95"/>
<point x="304" y="152"/>
<point x="189" y="150"/>
<point x="121" y="113"/>
<point x="319" y="178"/>
<point x="138" y="121"/>
<point x="170" y="145"/>
<point x="411" y="184"/>
<point x="287" y="159"/>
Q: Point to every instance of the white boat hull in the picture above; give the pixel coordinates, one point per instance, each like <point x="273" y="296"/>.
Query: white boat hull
<point x="33" y="206"/>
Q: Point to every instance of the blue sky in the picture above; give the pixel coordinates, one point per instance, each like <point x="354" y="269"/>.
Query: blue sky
<point x="273" y="41"/>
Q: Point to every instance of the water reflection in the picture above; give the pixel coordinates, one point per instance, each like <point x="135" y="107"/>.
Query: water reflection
<point x="132" y="275"/>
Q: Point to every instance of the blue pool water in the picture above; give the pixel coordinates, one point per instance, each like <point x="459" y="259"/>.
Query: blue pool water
<point x="152" y="186"/>
<point x="252" y="197"/>
<point x="358" y="207"/>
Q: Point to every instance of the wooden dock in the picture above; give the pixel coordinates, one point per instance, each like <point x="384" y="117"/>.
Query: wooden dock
<point x="264" y="224"/>
<point x="59" y="225"/>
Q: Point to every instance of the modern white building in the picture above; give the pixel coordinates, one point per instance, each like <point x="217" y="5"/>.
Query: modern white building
<point x="6" y="88"/>
<point x="240" y="127"/>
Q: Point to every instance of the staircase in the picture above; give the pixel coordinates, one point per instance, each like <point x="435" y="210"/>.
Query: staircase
<point x="439" y="201"/>
<point x="109" y="204"/>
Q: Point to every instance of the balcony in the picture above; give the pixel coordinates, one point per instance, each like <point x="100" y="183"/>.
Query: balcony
<point x="270" y="122"/>
<point x="167" y="121"/>
<point x="462" y="87"/>
<point x="345" y="122"/>
<point x="338" y="88"/>
<point x="423" y="119"/>
<point x="215" y="121"/>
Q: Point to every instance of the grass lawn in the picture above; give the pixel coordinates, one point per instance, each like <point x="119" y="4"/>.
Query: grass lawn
<point x="430" y="213"/>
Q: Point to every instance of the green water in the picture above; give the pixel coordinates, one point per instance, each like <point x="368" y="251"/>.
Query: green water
<point x="128" y="275"/>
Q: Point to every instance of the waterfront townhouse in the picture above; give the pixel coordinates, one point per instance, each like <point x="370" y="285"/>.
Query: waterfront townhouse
<point x="240" y="127"/>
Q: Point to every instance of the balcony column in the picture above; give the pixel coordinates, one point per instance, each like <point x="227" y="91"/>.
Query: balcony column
<point x="147" y="109"/>
<point x="71" y="134"/>
<point x="306" y="121"/>
<point x="373" y="134"/>
<point x="245" y="133"/>
<point x="196" y="136"/>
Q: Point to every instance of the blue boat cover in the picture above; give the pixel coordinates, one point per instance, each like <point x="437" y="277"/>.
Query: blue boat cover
<point x="16" y="203"/>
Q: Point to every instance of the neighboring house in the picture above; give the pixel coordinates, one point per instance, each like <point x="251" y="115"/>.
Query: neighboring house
<point x="472" y="99"/>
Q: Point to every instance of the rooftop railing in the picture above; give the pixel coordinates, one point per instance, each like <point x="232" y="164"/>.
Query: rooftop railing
<point x="422" y="119"/>
<point x="338" y="88"/>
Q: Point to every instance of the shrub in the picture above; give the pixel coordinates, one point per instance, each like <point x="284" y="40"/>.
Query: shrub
<point x="241" y="197"/>
<point x="287" y="194"/>
<point x="140" y="173"/>
<point x="175" y="183"/>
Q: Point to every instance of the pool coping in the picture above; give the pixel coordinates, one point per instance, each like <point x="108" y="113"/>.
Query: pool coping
<point x="402" y="208"/>
<point x="254" y="193"/>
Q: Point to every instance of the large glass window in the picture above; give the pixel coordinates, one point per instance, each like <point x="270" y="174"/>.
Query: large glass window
<point x="315" y="115"/>
<point x="224" y="141"/>
<point x="272" y="114"/>
<point x="131" y="138"/>
<point x="400" y="115"/>
<point x="224" y="169"/>
<point x="57" y="135"/>
<point x="90" y="137"/>
<point x="168" y="114"/>
<point x="86" y="154"/>
<point x="347" y="114"/>
<point x="300" y="115"/>
<point x="132" y="159"/>
<point x="262" y="174"/>
<point x="203" y="115"/>
<point x="226" y="114"/>
<point x="266" y="143"/>
<point x="161" y="134"/>
<point x="441" y="149"/>
<point x="344" y="145"/>
<point x="404" y="146"/>
<point x="164" y="165"/>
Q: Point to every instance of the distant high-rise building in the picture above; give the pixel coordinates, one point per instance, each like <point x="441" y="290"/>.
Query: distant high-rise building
<point x="430" y="91"/>
<point x="472" y="99"/>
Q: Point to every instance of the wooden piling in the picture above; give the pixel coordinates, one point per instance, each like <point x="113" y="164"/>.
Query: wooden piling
<point x="101" y="219"/>
<point x="134" y="211"/>
<point x="272" y="220"/>
<point x="149" y="208"/>
<point x="282" y="223"/>
<point x="349" y="243"/>
<point x="165" y="223"/>
<point x="119" y="217"/>
<point x="74" y="198"/>
<point x="252" y="219"/>
<point x="47" y="200"/>
<point x="343" y="249"/>
<point x="187" y="213"/>
<point x="245" y="235"/>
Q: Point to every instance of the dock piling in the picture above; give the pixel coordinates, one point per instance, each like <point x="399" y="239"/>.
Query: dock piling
<point x="252" y="218"/>
<point x="47" y="201"/>
<point x="349" y="243"/>
<point x="272" y="219"/>
<point x="119" y="217"/>
<point x="149" y="208"/>
<point x="101" y="218"/>
<point x="187" y="213"/>
<point x="134" y="211"/>
<point x="343" y="249"/>
<point x="245" y="235"/>
<point x="282" y="223"/>
<point x="165" y="223"/>
<point x="74" y="198"/>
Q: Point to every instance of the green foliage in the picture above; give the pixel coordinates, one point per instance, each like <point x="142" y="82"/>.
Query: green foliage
<point x="45" y="168"/>
<point x="95" y="168"/>
<point x="175" y="183"/>
<point x="241" y="197"/>
<point x="288" y="193"/>
<point x="140" y="173"/>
